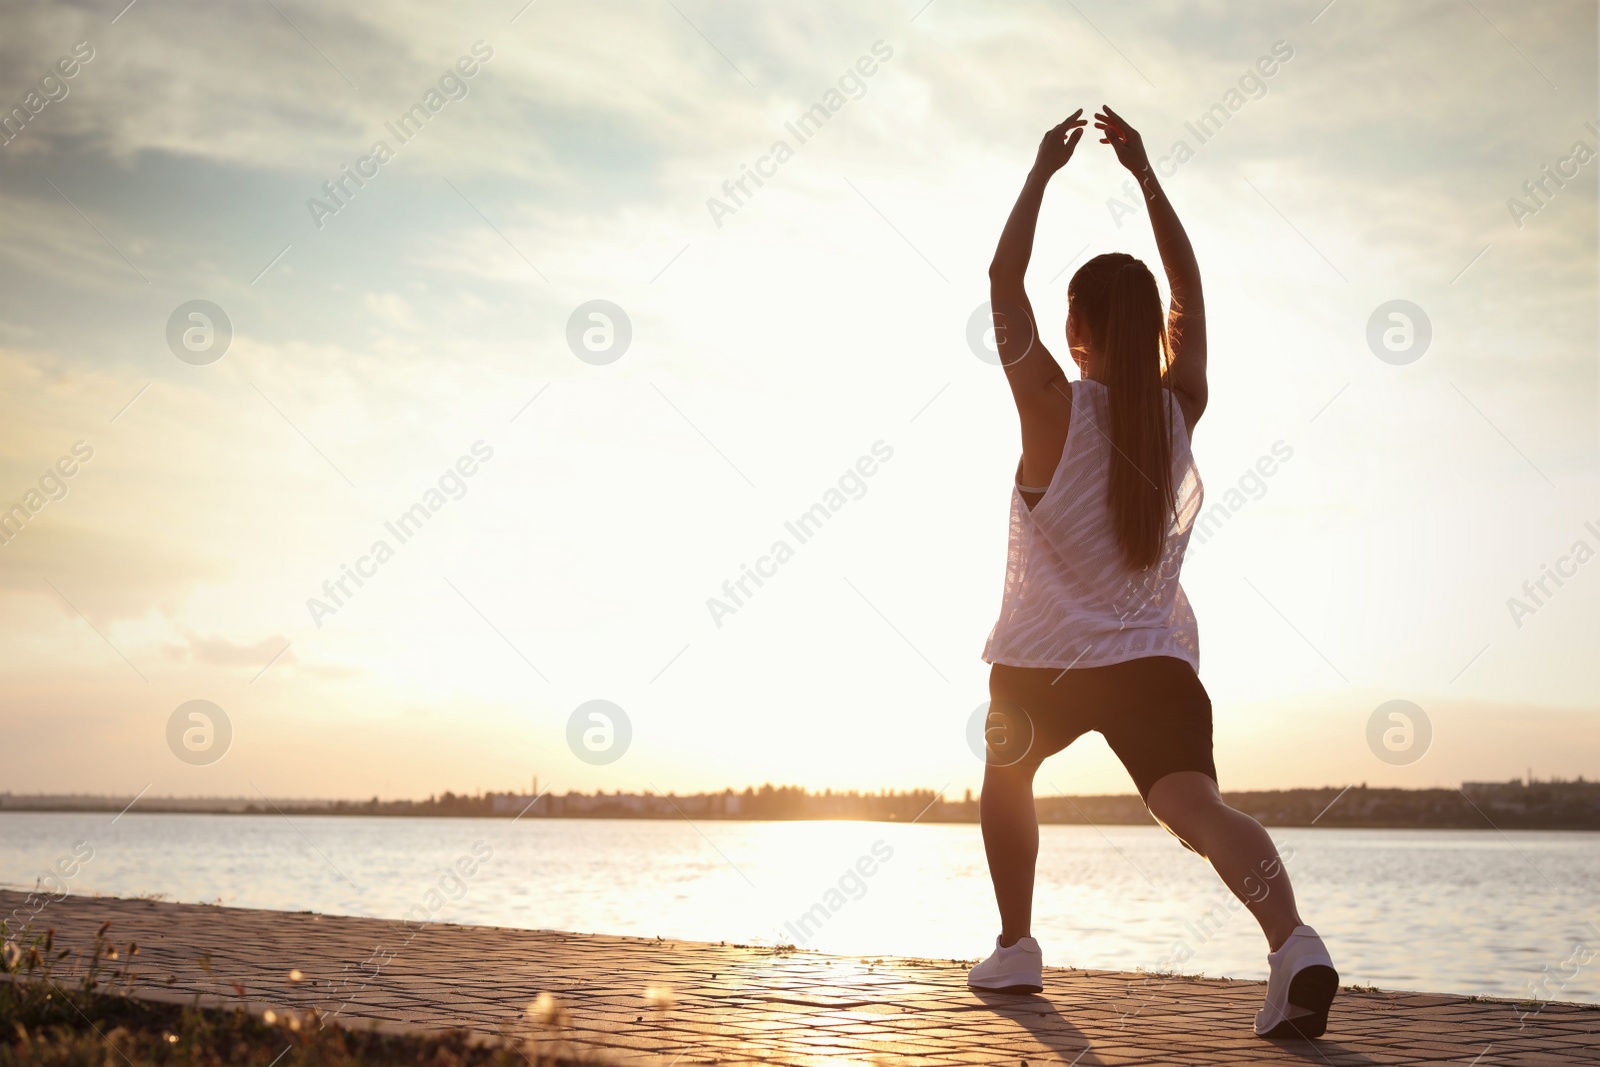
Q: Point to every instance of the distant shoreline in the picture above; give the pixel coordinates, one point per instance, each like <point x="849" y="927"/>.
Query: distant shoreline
<point x="1520" y="805"/>
<point x="1325" y="824"/>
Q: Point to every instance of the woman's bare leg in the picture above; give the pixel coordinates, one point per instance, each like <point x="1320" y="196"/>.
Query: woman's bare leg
<point x="1011" y="841"/>
<point x="1240" y="851"/>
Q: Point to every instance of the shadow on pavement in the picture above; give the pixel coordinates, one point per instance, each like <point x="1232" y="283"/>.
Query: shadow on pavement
<point x="1039" y="1015"/>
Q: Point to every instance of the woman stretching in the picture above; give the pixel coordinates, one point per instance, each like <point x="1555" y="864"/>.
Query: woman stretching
<point x="1095" y="632"/>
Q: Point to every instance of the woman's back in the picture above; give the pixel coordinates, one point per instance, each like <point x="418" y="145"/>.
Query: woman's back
<point x="1071" y="599"/>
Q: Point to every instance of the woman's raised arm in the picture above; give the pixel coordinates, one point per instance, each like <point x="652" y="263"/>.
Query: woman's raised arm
<point x="1186" y="322"/>
<point x="1044" y="402"/>
<point x="1031" y="370"/>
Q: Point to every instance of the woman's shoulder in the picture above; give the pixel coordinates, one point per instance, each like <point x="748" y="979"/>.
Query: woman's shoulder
<point x="1091" y="395"/>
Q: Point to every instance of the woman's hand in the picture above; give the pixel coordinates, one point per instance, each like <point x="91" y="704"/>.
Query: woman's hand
<point x="1058" y="143"/>
<point x="1186" y="324"/>
<point x="1124" y="140"/>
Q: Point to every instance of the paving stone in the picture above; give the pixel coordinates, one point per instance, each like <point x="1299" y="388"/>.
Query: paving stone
<point x="795" y="1007"/>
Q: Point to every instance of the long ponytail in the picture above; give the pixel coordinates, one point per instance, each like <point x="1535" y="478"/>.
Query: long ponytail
<point x="1119" y="304"/>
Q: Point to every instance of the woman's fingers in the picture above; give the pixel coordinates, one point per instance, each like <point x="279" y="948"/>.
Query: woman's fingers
<point x="1112" y="118"/>
<point x="1061" y="131"/>
<point x="1066" y="133"/>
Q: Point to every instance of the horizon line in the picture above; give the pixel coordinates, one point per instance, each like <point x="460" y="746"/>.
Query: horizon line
<point x="751" y="790"/>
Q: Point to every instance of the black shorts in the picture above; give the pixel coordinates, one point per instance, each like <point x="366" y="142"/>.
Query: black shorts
<point x="1153" y="712"/>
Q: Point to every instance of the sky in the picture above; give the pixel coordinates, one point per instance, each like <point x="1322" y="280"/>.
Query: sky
<point x="419" y="341"/>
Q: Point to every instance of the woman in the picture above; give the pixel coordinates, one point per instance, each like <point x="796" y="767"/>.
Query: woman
<point x="1095" y="632"/>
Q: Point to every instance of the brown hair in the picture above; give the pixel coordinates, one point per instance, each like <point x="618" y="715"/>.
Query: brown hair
<point x="1119" y="307"/>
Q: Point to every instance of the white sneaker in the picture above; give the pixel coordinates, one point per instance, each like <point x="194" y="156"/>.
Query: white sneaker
<point x="1018" y="969"/>
<point x="1300" y="987"/>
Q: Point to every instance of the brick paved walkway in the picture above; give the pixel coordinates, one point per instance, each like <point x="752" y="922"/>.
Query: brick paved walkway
<point x="731" y="1004"/>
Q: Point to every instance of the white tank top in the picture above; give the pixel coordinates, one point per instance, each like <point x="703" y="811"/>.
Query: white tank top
<point x="1070" y="600"/>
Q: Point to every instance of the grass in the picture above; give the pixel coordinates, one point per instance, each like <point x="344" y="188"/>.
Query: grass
<point x="62" y="1011"/>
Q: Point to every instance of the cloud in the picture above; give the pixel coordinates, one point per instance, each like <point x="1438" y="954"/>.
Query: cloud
<point x="220" y="652"/>
<point x="108" y="575"/>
